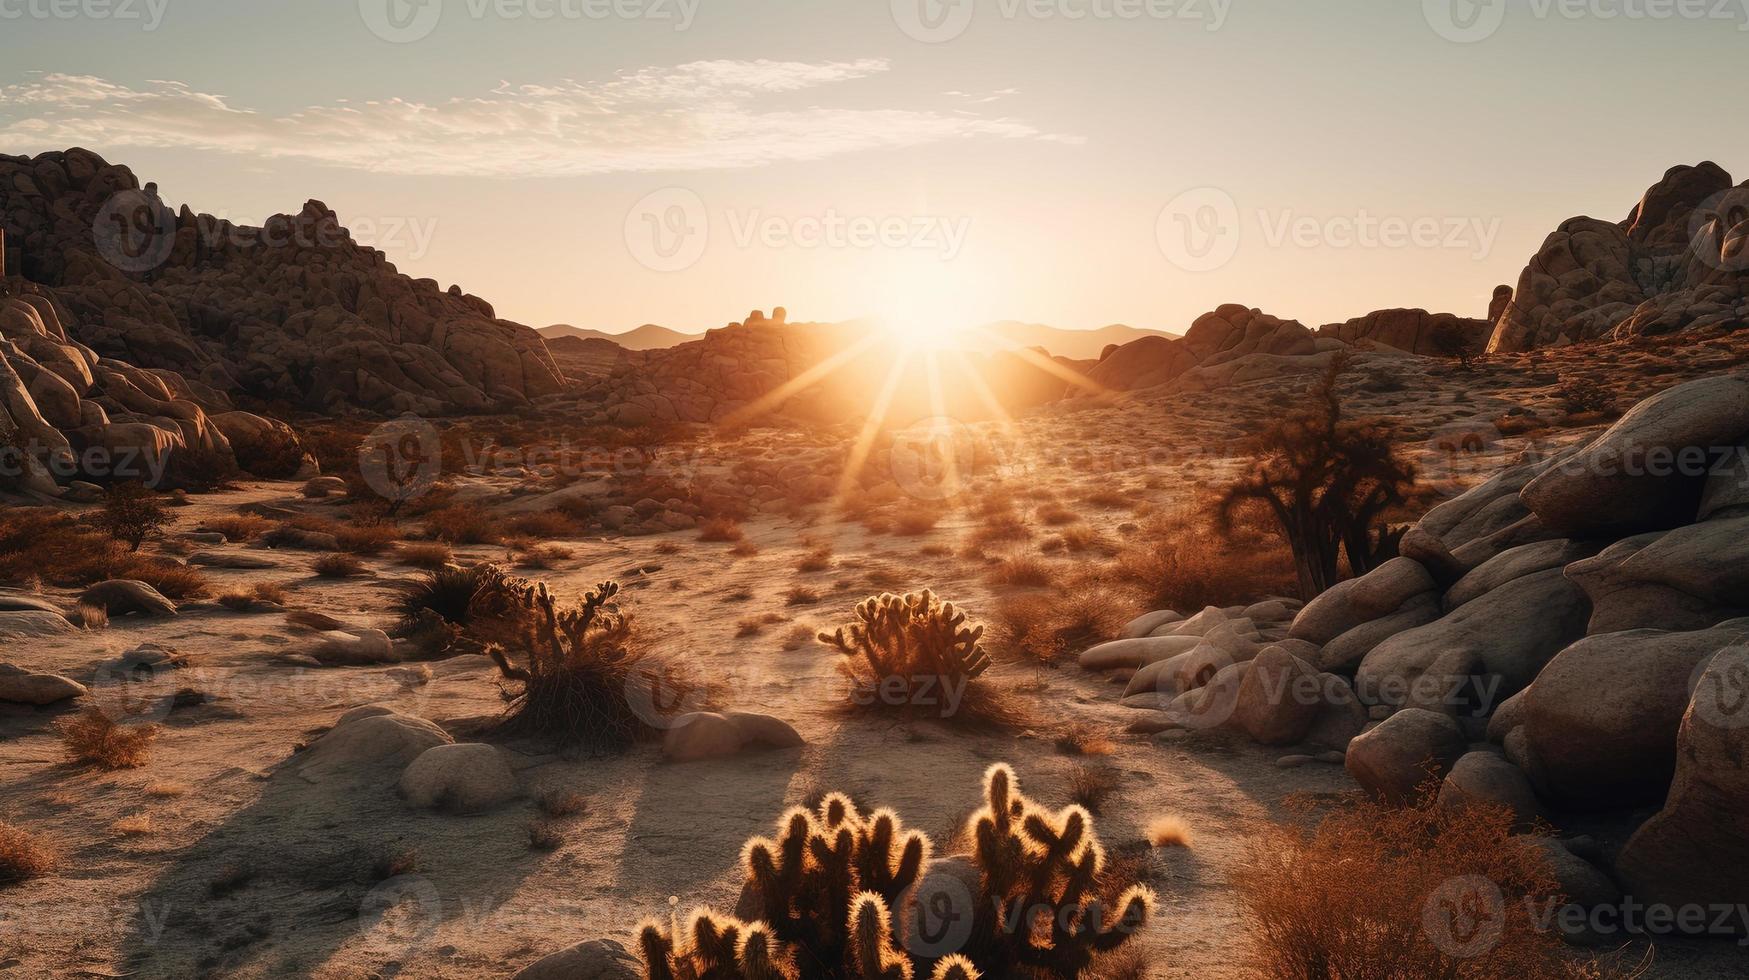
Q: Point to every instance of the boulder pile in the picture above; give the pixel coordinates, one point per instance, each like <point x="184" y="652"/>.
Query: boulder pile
<point x="1680" y="261"/>
<point x="1568" y="639"/>
<point x="293" y="311"/>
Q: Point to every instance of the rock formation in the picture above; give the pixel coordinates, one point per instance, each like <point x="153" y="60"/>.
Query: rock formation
<point x="293" y="311"/>
<point x="1414" y="331"/>
<point x="1680" y="261"/>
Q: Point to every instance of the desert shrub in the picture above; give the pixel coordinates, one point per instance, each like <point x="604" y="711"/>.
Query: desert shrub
<point x="260" y="597"/>
<point x="462" y="524"/>
<point x="824" y="888"/>
<point x="457" y="595"/>
<point x="555" y="523"/>
<point x="1084" y="740"/>
<point x="199" y="468"/>
<point x="1000" y="526"/>
<point x="1582" y="396"/>
<point x="742" y="549"/>
<point x="40" y="544"/>
<point x="23" y="855"/>
<point x="1109" y="499"/>
<point x="1090" y="786"/>
<point x="367" y="538"/>
<point x="93" y="738"/>
<point x="817" y="559"/>
<point x="90" y="616"/>
<point x="915" y="654"/>
<point x="132" y="513"/>
<point x="916" y="520"/>
<point x="721" y="529"/>
<point x="424" y="554"/>
<point x="527" y="554"/>
<point x="1454" y="342"/>
<point x="801" y="595"/>
<point x="338" y="565"/>
<point x="1184" y="560"/>
<point x="1022" y="570"/>
<point x="175" y="581"/>
<point x="1169" y="831"/>
<point x="1328" y="480"/>
<point x="558" y="803"/>
<point x="581" y="667"/>
<point x="275" y="454"/>
<point x="1296" y="888"/>
<point x="1042" y="629"/>
<point x="237" y="527"/>
<point x="1056" y="515"/>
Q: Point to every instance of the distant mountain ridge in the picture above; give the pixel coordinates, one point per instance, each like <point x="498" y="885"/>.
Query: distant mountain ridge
<point x="650" y="336"/>
<point x="1013" y="334"/>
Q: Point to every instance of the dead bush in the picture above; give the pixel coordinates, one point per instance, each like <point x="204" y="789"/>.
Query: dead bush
<point x="424" y="554"/>
<point x="547" y="524"/>
<point x="1179" y="560"/>
<point x="1022" y="570"/>
<point x="721" y="529"/>
<point x="463" y="524"/>
<point x="93" y="738"/>
<point x="1090" y="786"/>
<point x="1043" y="629"/>
<point x="237" y="527"/>
<point x="338" y="565"/>
<point x="23" y="855"/>
<point x="1429" y="871"/>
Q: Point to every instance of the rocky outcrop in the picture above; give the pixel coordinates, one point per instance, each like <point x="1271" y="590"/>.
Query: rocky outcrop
<point x="1219" y="337"/>
<point x="294" y="311"/>
<point x="1414" y="331"/>
<point x="1678" y="262"/>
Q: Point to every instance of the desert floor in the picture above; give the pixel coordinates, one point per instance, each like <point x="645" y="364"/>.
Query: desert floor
<point x="216" y="859"/>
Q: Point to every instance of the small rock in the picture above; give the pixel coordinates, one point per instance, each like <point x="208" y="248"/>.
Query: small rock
<point x="23" y="687"/>
<point x="460" y="778"/>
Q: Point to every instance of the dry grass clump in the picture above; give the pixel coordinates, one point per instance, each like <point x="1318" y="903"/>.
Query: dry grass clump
<point x="801" y="596"/>
<point x="1000" y="526"/>
<point x="742" y="549"/>
<point x="424" y="554"/>
<point x="558" y="803"/>
<point x="525" y="553"/>
<point x="165" y="790"/>
<point x="369" y="538"/>
<point x="547" y="524"/>
<point x="1056" y="515"/>
<point x="1178" y="560"/>
<point x="88" y="616"/>
<point x="817" y="559"/>
<point x="1091" y="786"/>
<point x="338" y="565"/>
<point x="1448" y="892"/>
<point x="916" y="521"/>
<point x="93" y="738"/>
<point x="1043" y="629"/>
<point x="544" y="835"/>
<point x="260" y="597"/>
<point x="1169" y="831"/>
<point x="1022" y="570"/>
<point x="40" y="544"/>
<point x="133" y="825"/>
<point x="1084" y="740"/>
<point x="237" y="527"/>
<point x="1109" y="499"/>
<point x="721" y="529"/>
<point x="463" y="524"/>
<point x="23" y="855"/>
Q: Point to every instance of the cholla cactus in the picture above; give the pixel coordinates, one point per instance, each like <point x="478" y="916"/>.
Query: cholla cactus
<point x="1037" y="866"/>
<point x="577" y="665"/>
<point x="826" y="888"/>
<point x="916" y="638"/>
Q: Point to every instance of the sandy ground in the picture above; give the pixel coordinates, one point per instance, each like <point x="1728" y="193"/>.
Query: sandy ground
<point x="242" y="869"/>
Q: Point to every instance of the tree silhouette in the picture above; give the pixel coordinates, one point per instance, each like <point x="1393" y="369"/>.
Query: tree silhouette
<point x="1328" y="480"/>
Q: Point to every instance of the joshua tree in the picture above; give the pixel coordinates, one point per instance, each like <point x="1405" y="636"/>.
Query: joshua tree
<point x="1327" y="479"/>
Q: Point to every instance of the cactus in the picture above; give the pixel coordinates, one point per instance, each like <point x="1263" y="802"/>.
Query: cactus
<point x="1034" y="861"/>
<point x="825" y="888"/>
<point x="578" y="664"/>
<point x="916" y="638"/>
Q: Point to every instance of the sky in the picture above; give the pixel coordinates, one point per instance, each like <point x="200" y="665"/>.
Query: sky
<point x="608" y="163"/>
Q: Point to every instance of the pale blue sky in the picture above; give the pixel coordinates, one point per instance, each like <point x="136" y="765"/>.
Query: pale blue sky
<point x="1053" y="145"/>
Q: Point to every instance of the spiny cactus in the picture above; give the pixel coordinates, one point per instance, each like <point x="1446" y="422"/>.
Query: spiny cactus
<point x="916" y="639"/>
<point x="824" y="892"/>
<point x="1040" y="874"/>
<point x="576" y="669"/>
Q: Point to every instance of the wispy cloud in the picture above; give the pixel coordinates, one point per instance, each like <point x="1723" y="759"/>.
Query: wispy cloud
<point x="699" y="116"/>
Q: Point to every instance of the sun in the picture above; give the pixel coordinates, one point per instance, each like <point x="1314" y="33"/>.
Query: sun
<point x="926" y="309"/>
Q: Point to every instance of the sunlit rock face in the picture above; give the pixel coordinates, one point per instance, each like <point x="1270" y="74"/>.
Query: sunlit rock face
<point x="293" y="311"/>
<point x="1678" y="262"/>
